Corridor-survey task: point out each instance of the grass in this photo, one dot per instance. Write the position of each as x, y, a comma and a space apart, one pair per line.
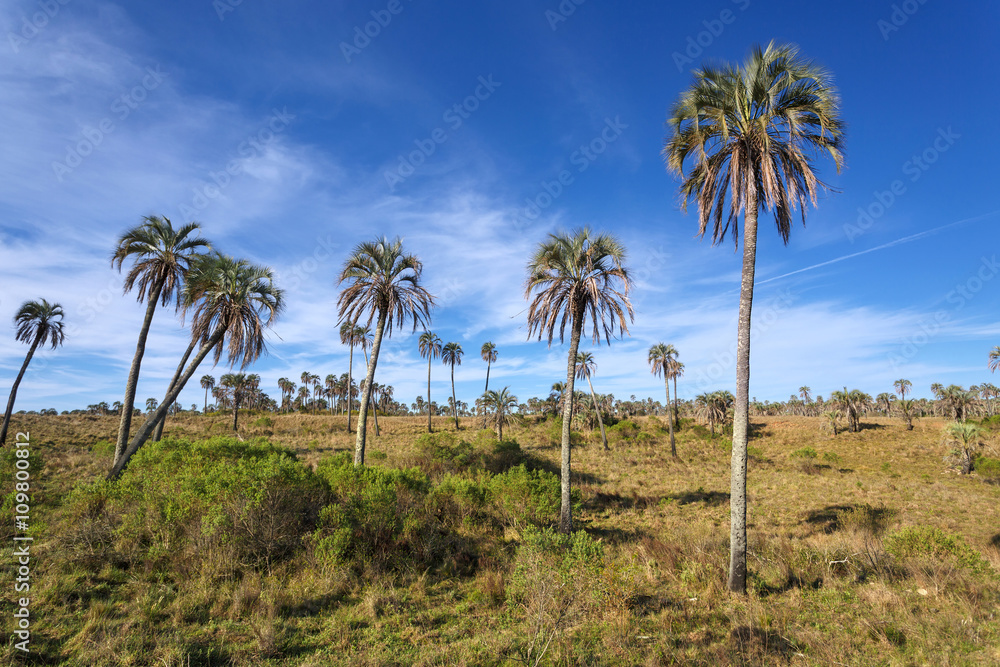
864, 549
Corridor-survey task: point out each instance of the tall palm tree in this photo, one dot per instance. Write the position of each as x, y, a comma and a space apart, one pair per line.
488, 352
151, 405
902, 387
451, 354
349, 336
748, 132
234, 301
430, 347
570, 277
37, 323
585, 367
162, 256
500, 406
208, 382
382, 281
659, 358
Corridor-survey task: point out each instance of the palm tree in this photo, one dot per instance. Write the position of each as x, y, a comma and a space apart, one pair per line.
239, 386
151, 404
451, 354
499, 406
234, 301
350, 335
430, 347
488, 352
384, 282
162, 257
832, 418
748, 131
208, 382
902, 387
994, 358
966, 437
585, 367
906, 410
659, 358
885, 401
675, 369
38, 323
571, 276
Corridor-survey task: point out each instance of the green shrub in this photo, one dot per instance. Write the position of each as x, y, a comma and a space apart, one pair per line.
929, 542
525, 497
263, 422
831, 457
804, 453
987, 468
626, 429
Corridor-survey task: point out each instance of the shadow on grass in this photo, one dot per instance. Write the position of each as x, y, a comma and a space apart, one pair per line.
827, 520
604, 501
757, 642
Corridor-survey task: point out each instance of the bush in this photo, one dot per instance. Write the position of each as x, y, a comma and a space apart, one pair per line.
525, 497
920, 542
804, 453
988, 469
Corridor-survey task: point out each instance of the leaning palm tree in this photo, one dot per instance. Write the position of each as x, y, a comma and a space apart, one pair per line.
430, 346
234, 301
659, 358
207, 382
585, 367
162, 257
746, 133
572, 277
451, 354
383, 282
38, 323
500, 406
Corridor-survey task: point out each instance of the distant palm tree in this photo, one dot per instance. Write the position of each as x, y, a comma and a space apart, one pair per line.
239, 386
162, 257
747, 132
675, 369
659, 358
349, 335
207, 382
570, 277
906, 409
585, 367
488, 352
151, 404
902, 387
383, 282
832, 418
994, 358
451, 354
37, 323
966, 437
430, 347
499, 406
234, 301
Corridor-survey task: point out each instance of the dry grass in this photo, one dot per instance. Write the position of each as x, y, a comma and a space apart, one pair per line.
824, 590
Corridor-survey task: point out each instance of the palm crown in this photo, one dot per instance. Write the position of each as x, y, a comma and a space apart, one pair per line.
41, 321
162, 256
748, 131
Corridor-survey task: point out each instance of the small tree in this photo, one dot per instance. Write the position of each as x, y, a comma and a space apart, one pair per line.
965, 438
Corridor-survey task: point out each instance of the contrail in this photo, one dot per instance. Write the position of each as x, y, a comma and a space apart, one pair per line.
905, 239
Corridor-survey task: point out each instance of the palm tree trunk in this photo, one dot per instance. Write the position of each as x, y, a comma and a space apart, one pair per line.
741, 418
205, 409
566, 511
677, 414
597, 409
430, 355
350, 369
670, 421
236, 412
173, 381
13, 391
359, 443
133, 375
375, 411
454, 403
142, 435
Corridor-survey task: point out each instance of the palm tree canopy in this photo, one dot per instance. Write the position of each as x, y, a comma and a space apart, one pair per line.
488, 352
994, 358
576, 274
40, 320
660, 359
749, 130
585, 365
381, 278
162, 256
207, 381
237, 298
429, 345
451, 354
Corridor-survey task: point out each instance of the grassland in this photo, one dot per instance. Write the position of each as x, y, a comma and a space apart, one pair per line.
846, 568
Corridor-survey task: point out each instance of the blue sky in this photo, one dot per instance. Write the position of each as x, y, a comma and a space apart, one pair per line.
291, 135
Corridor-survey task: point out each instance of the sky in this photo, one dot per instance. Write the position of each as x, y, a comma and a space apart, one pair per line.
294, 131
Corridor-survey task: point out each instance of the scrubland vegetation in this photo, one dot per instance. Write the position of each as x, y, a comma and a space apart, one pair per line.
271, 548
